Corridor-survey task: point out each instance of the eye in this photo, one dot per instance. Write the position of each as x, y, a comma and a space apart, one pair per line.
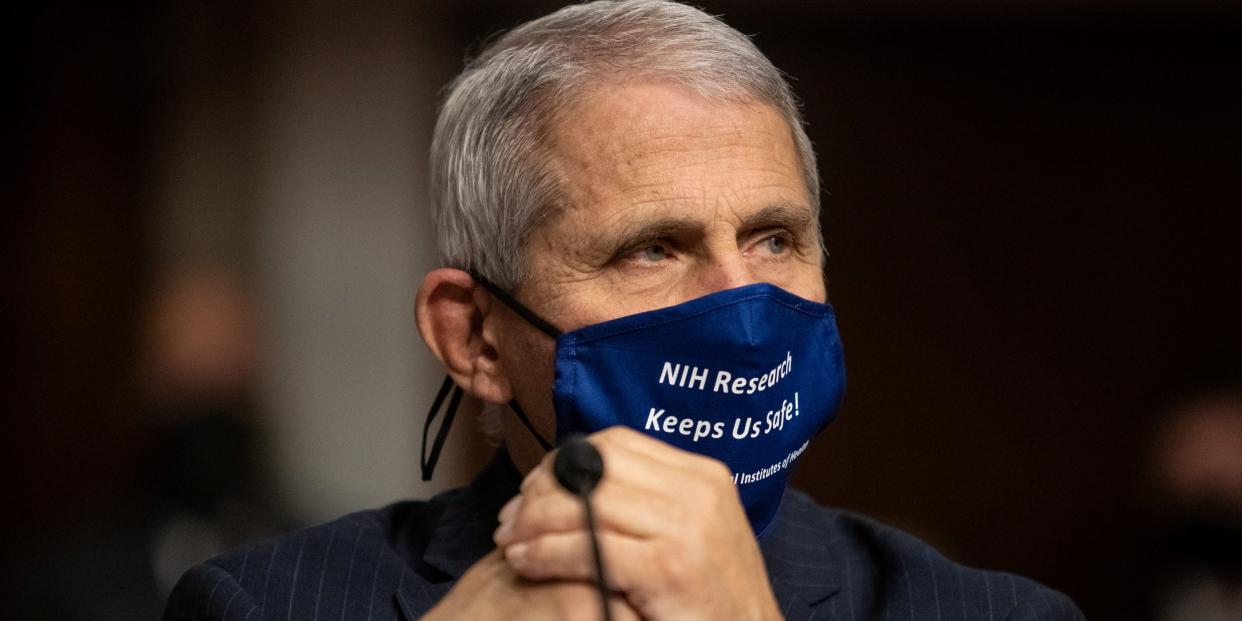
776, 244
653, 253
650, 254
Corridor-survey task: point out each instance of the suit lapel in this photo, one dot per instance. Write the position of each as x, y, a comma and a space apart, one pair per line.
799, 557
460, 533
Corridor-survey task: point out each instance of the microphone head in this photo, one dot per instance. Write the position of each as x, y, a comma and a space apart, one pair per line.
578, 466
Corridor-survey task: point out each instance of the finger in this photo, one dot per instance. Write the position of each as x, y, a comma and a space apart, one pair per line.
621, 609
626, 510
541, 474
671, 457
568, 556
586, 606
638, 496
625, 466
581, 601
637, 442
566, 600
623, 440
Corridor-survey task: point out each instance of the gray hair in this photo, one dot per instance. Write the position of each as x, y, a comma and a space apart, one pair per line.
490, 182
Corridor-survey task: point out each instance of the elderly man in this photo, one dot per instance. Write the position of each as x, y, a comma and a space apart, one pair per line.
627, 208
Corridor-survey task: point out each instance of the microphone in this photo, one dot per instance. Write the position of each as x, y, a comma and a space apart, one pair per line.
579, 467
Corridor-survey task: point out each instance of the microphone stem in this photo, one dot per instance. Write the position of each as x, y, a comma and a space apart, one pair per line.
601, 581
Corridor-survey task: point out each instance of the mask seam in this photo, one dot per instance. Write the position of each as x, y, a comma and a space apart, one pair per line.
750, 323
573, 381
827, 312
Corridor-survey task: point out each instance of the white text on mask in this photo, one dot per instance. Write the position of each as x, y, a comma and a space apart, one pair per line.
686, 376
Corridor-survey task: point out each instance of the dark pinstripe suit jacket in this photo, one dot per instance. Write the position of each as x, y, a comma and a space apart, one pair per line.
396, 563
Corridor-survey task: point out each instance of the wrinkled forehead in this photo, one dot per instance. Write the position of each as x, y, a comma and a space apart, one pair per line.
644, 147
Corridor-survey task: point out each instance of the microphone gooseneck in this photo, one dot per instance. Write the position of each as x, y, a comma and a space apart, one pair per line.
579, 468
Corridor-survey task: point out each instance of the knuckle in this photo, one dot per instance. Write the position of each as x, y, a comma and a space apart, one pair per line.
526, 510
541, 484
673, 571
530, 517
649, 555
715, 470
536, 477
722, 472
547, 514
703, 498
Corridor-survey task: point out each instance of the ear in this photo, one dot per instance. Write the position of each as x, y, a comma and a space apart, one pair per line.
450, 312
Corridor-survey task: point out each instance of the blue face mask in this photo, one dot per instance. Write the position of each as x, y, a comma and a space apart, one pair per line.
747, 376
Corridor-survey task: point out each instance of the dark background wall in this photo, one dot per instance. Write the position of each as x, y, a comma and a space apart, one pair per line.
1033, 214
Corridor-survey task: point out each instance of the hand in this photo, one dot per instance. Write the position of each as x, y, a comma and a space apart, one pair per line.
671, 527
492, 590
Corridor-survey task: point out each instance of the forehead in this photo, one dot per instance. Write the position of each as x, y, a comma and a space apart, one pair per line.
641, 146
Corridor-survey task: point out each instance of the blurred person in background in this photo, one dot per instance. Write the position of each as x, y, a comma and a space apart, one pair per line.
1196, 458
210, 486
204, 487
616, 169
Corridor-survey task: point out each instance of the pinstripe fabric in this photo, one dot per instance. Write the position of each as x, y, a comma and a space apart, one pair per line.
397, 562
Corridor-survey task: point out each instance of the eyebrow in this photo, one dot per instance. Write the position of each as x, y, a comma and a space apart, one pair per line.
796, 218
793, 217
661, 228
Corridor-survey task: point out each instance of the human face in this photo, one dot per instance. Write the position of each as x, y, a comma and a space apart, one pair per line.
670, 197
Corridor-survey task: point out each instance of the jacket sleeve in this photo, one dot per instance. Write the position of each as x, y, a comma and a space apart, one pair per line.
1044, 604
209, 593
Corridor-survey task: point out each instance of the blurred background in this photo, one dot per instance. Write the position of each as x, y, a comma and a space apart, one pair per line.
1032, 208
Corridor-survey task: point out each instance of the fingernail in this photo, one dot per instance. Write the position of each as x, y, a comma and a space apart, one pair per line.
516, 553
503, 533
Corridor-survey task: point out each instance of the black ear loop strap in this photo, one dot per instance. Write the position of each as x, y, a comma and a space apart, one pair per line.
518, 307
517, 409
429, 463
534, 320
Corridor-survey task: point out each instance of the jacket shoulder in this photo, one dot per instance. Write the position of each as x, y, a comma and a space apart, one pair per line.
349, 564
884, 570
209, 592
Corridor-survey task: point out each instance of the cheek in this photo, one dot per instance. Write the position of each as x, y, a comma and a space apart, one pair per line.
608, 296
808, 282
529, 358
